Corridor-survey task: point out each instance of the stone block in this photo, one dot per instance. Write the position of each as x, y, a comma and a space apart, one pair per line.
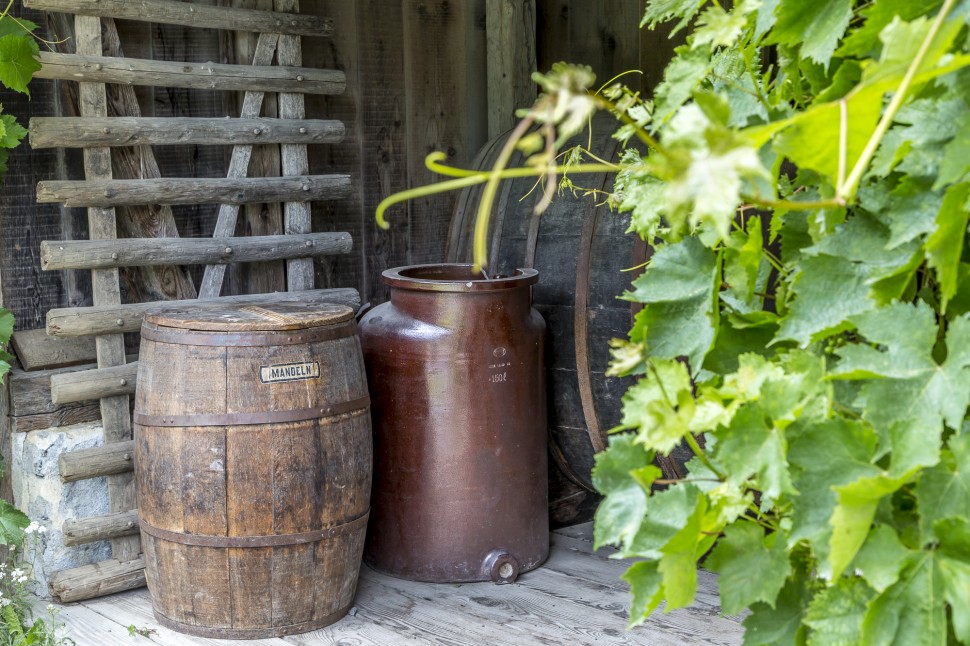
39, 492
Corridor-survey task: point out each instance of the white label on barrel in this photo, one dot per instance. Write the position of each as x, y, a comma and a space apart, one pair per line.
289, 372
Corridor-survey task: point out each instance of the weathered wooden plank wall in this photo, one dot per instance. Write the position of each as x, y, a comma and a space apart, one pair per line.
418, 74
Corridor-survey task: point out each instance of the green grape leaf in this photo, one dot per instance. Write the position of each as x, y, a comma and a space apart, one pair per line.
828, 291
780, 625
682, 76
6, 325
613, 466
647, 590
853, 516
956, 161
678, 565
659, 11
751, 566
18, 26
12, 132
731, 79
882, 558
719, 28
945, 245
823, 455
813, 138
912, 610
12, 524
667, 514
954, 565
742, 260
17, 62
865, 40
619, 515
835, 614
910, 396
641, 194
678, 289
943, 490
751, 446
816, 26
660, 405
911, 211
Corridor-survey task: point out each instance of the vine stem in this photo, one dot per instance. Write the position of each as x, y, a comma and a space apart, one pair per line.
689, 437
465, 180
847, 190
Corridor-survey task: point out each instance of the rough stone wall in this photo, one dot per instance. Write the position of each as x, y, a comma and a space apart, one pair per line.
39, 492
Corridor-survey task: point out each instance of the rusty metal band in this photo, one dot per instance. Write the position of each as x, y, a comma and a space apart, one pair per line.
274, 540
178, 336
245, 419
580, 320
251, 633
562, 462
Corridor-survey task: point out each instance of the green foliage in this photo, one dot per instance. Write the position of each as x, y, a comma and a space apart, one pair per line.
806, 310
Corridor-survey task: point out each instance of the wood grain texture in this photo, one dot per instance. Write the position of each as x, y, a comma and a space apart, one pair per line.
605, 35
115, 417
293, 157
117, 457
31, 405
172, 12
96, 580
84, 321
73, 132
36, 350
577, 598
106, 193
240, 161
133, 252
252, 480
141, 221
340, 52
383, 127
438, 96
94, 384
200, 76
511, 29
99, 528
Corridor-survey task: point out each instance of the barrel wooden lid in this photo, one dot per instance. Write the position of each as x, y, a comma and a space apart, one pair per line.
245, 318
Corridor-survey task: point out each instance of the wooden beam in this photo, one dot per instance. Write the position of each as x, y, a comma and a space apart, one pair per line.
94, 384
172, 12
102, 224
73, 132
511, 27
239, 163
97, 579
36, 350
199, 76
100, 528
32, 407
143, 252
106, 460
106, 193
85, 321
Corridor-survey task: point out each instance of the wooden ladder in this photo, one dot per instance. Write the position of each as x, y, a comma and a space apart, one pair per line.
113, 382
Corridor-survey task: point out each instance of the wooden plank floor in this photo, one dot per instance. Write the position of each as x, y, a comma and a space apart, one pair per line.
576, 598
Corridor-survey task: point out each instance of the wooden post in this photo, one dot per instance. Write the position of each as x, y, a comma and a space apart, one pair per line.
511, 30
110, 349
299, 272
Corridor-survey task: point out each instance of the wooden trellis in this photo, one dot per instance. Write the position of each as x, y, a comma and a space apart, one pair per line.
96, 132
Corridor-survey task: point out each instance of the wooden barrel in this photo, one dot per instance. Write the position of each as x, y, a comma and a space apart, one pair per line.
583, 255
252, 467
